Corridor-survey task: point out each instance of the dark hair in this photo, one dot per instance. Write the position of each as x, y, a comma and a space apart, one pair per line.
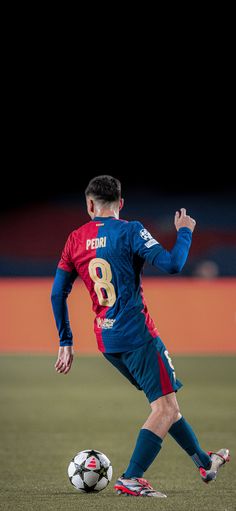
104, 188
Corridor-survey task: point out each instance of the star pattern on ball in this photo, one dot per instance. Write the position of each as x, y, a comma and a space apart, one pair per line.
81, 469
102, 472
94, 453
85, 481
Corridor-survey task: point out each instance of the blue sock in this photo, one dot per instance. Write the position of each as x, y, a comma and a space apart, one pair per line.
147, 447
184, 435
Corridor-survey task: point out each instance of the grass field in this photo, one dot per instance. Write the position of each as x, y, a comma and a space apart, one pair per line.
46, 418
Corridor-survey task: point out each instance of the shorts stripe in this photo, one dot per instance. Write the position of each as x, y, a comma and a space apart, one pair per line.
166, 386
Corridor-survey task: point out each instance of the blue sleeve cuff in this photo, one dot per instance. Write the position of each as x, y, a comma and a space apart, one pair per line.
66, 342
185, 229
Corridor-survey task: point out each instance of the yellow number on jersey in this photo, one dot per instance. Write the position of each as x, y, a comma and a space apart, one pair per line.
103, 282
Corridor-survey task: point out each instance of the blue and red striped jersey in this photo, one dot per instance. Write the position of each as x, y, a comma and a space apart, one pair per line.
108, 254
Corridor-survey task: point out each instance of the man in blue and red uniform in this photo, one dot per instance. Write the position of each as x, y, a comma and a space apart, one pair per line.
108, 254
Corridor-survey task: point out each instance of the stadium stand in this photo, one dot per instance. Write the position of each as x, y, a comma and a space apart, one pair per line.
32, 237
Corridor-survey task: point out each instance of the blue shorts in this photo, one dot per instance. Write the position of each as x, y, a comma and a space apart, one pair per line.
149, 368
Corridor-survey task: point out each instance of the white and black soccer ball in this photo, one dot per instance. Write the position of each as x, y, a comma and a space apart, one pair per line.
90, 471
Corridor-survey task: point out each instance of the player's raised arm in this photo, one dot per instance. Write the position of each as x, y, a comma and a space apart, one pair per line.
173, 261
150, 249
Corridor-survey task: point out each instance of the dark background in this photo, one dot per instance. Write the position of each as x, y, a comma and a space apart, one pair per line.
170, 143
24, 185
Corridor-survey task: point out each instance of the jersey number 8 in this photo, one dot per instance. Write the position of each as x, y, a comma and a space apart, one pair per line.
100, 273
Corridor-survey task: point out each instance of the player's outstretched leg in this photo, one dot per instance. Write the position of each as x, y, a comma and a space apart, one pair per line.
148, 445
208, 463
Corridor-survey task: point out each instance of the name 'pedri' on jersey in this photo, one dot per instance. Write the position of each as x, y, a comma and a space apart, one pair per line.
108, 254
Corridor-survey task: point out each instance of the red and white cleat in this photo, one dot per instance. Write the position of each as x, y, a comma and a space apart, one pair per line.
218, 458
136, 487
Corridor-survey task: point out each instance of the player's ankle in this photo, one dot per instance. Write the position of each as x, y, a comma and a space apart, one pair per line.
208, 466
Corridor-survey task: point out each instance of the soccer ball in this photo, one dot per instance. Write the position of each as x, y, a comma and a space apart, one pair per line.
90, 471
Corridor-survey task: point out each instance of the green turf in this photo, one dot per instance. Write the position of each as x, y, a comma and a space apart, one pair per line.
46, 418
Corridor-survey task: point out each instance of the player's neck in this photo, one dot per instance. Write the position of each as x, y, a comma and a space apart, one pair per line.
106, 212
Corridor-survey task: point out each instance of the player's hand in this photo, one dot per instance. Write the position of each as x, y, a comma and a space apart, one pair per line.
184, 220
64, 359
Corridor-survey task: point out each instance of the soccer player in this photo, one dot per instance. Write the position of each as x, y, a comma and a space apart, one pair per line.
109, 254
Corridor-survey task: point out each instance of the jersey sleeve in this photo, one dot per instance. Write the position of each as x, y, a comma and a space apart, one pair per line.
143, 243
65, 262
62, 286
174, 261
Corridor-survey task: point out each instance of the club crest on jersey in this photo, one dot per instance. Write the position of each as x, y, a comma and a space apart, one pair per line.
148, 238
96, 243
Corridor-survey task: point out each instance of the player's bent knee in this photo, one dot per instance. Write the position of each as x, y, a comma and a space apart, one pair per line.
169, 408
167, 404
173, 412
175, 409
165, 409
176, 414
